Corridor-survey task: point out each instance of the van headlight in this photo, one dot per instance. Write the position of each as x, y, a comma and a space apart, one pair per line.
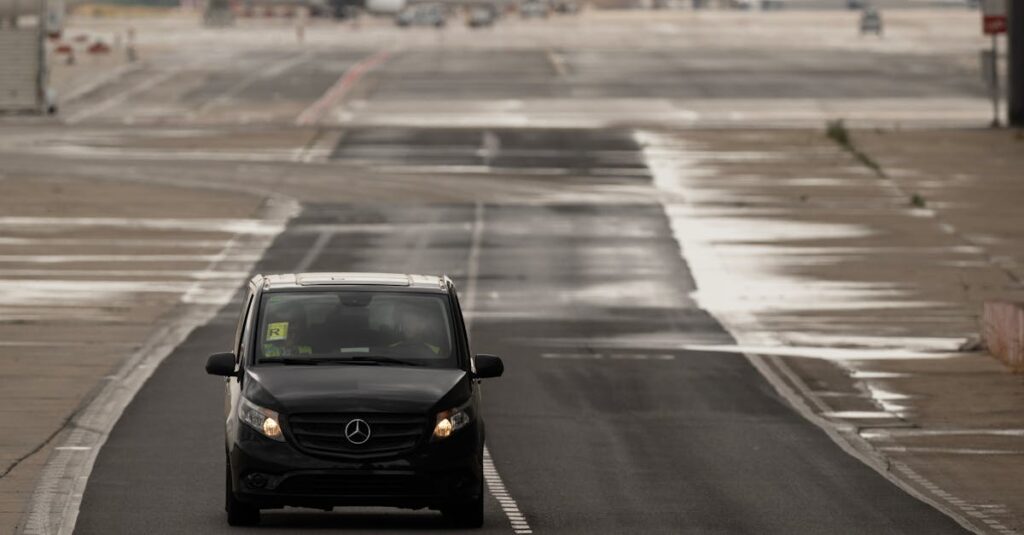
266, 421
451, 420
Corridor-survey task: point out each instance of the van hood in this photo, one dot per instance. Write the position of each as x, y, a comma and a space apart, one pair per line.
355, 388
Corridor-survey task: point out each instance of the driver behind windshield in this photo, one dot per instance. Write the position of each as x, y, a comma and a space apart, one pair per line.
418, 332
345, 326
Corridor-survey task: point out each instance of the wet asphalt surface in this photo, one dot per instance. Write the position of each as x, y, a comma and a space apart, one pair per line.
601, 424
705, 73
269, 85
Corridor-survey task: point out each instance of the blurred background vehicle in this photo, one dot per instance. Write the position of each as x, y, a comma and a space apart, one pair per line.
567, 6
435, 15
481, 16
532, 9
871, 21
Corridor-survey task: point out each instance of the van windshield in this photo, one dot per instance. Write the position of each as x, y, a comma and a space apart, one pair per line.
357, 327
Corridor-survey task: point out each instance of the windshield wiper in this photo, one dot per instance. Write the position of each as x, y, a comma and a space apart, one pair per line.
383, 360
290, 360
310, 361
361, 360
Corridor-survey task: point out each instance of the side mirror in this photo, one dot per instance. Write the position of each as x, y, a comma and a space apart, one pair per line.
222, 364
488, 366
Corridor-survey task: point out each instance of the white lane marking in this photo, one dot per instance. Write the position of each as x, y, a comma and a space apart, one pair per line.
495, 485
313, 252
214, 293
72, 258
315, 112
259, 74
376, 228
860, 415
149, 275
121, 97
57, 498
157, 243
915, 432
77, 343
121, 153
97, 81
607, 356
227, 226
72, 293
950, 451
319, 148
497, 488
557, 61
473, 264
827, 353
971, 510
471, 169
490, 147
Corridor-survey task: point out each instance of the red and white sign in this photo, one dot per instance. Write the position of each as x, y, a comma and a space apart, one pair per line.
993, 16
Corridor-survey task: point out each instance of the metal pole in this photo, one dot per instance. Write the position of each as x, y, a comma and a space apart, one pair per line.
995, 81
1015, 62
41, 76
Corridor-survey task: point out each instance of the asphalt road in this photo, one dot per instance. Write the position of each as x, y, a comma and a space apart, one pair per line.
604, 421
601, 423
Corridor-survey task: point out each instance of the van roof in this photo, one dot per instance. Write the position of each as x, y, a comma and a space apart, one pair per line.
281, 281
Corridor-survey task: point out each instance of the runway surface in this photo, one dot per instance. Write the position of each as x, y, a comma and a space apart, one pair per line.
509, 160
600, 425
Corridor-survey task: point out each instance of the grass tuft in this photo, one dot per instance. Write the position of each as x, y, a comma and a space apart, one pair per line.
836, 131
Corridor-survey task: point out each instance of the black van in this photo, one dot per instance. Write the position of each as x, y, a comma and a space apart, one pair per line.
353, 389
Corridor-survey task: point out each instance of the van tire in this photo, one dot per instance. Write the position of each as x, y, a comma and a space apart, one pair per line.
239, 514
466, 514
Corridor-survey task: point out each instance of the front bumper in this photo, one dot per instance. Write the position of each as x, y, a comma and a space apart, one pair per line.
272, 474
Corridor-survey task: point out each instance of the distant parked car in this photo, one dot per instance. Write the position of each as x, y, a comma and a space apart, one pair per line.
871, 21
768, 5
533, 9
567, 6
481, 16
422, 15
855, 5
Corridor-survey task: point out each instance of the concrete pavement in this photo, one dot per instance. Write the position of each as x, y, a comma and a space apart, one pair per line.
868, 301
90, 267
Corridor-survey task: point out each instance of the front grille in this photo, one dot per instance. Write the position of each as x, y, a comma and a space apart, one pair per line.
390, 434
361, 486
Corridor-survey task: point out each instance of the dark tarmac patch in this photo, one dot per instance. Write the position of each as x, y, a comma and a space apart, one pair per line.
697, 443
693, 444
579, 151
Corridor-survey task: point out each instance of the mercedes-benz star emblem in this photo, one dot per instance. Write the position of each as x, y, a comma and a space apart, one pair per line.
357, 431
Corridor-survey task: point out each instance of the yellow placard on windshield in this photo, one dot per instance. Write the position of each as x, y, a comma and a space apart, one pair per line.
277, 331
